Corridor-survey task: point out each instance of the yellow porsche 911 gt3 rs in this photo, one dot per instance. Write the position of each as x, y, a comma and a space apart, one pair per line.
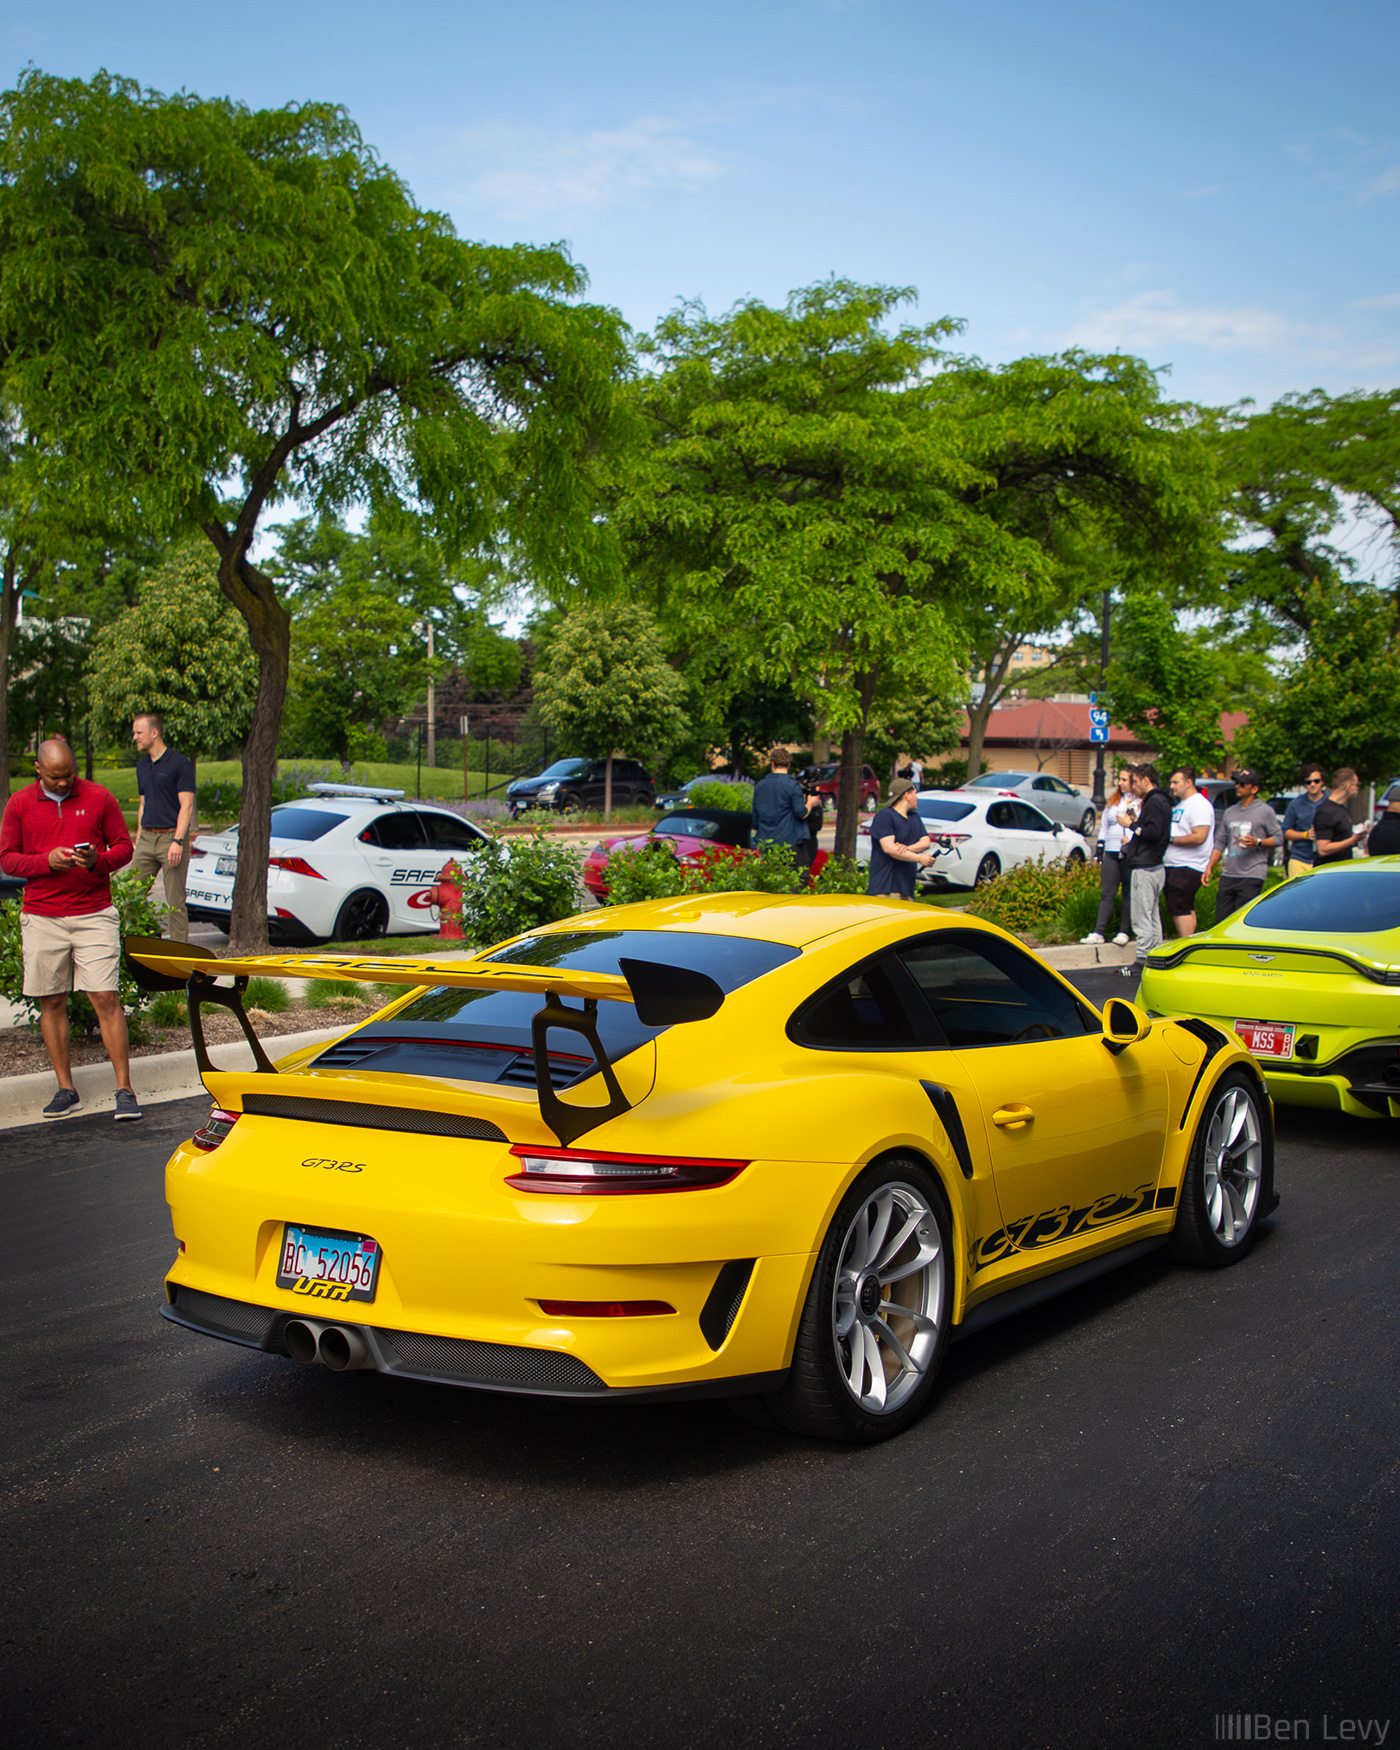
776, 1150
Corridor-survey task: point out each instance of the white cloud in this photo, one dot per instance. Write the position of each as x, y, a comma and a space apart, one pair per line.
1151, 320
521, 171
1386, 183
1386, 301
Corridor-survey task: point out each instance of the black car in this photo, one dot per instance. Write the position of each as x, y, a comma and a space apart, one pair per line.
569, 786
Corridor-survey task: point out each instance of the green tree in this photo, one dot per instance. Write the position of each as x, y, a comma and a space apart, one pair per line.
1335, 703
829, 498
203, 303
604, 683
179, 651
1168, 684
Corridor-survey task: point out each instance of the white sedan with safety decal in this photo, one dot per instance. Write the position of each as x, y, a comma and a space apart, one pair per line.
344, 864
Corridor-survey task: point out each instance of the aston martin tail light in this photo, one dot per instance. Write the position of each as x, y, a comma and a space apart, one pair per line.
295, 866
214, 1128
600, 1175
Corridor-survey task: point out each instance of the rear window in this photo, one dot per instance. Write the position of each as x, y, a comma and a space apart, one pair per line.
931, 810
997, 781
304, 823
1340, 904
503, 1017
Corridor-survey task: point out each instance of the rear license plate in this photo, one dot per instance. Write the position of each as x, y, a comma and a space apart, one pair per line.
324, 1265
1266, 1040
226, 866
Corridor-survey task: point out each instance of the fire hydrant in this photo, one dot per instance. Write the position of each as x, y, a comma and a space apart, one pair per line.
449, 901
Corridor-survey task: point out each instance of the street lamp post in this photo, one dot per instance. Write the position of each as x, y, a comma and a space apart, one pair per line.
1100, 778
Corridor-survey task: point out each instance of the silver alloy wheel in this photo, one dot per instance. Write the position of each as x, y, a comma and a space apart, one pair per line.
887, 1306
1232, 1166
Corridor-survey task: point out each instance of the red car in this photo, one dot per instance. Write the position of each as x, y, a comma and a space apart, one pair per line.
825, 780
694, 835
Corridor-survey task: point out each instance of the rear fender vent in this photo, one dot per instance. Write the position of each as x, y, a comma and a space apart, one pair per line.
722, 1305
419, 1122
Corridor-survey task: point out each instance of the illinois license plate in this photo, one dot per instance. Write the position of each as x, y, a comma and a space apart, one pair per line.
1265, 1039
226, 866
325, 1265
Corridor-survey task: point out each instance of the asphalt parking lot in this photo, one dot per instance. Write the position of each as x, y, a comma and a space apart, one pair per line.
1166, 1497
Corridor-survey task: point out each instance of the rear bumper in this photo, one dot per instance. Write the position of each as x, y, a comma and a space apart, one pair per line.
496, 1367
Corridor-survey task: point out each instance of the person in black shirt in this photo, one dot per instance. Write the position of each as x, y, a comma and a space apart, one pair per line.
1143, 855
1384, 839
781, 810
164, 817
899, 844
1332, 830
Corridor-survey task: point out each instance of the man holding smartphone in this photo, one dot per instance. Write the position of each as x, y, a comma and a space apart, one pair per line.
66, 838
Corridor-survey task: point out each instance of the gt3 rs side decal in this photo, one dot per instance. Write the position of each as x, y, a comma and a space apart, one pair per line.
1031, 1232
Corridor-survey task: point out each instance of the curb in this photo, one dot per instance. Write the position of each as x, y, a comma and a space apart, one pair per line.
170, 1075
1075, 956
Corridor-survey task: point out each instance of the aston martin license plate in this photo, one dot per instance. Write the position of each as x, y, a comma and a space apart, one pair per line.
1265, 1039
325, 1265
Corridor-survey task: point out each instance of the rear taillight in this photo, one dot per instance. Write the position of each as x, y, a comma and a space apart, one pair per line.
295, 866
604, 1309
598, 1175
214, 1128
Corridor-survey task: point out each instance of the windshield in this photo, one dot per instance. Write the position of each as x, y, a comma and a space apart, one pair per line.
997, 781
819, 774
939, 810
686, 826
564, 769
1340, 904
303, 823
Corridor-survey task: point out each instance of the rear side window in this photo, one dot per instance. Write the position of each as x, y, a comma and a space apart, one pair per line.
1341, 904
984, 992
304, 823
1001, 814
860, 1011
402, 831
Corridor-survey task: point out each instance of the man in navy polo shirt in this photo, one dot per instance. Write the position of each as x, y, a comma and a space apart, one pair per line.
164, 817
898, 843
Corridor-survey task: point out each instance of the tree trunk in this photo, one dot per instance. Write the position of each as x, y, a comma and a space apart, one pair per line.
848, 789
607, 789
270, 633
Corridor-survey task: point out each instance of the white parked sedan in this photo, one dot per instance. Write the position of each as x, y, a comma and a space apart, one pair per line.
1052, 796
985, 836
343, 864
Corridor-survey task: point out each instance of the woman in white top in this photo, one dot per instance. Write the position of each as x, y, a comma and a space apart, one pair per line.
1115, 827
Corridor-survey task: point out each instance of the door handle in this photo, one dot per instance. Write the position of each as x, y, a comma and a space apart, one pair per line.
1014, 1116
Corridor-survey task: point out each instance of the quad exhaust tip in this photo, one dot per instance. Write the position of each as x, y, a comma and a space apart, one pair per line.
339, 1347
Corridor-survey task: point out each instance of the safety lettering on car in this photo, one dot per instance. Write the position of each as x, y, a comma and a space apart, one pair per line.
412, 877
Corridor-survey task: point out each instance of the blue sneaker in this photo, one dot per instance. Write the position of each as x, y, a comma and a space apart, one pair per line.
64, 1104
126, 1105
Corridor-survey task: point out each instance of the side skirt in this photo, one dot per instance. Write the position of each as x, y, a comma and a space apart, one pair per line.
1029, 1294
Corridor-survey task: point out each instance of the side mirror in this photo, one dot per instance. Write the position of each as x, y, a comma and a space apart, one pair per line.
1057, 829
1124, 1024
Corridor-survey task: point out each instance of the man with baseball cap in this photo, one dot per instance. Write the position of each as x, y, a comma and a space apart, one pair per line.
898, 843
1244, 836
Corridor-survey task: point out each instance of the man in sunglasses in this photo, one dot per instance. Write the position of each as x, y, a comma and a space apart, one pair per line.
1298, 819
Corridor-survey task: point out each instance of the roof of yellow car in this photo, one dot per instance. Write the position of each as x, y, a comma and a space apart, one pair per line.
796, 921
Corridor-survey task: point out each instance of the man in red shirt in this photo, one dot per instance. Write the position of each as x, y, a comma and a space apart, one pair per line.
66, 836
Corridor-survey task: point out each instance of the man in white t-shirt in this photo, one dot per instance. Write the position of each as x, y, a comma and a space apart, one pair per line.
1188, 854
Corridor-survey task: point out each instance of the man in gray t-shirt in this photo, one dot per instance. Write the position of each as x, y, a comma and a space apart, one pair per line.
1244, 837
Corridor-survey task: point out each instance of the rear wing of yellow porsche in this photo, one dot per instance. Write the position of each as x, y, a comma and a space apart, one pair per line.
661, 995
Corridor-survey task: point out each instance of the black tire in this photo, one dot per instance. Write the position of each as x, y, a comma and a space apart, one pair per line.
570, 803
819, 1399
1088, 821
363, 914
1218, 1214
987, 870
1076, 855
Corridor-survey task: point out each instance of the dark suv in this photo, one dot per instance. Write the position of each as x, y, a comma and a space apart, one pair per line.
571, 785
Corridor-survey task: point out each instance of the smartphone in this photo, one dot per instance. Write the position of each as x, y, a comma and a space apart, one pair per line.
83, 847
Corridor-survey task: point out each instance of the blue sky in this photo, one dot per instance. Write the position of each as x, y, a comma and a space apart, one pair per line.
1213, 186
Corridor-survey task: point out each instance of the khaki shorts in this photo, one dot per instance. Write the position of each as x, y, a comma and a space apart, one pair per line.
63, 954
